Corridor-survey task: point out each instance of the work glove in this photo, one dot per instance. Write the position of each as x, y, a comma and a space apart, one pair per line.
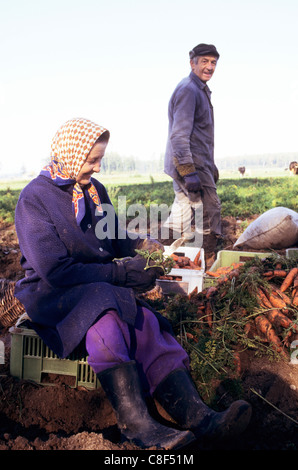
192, 182
131, 272
187, 171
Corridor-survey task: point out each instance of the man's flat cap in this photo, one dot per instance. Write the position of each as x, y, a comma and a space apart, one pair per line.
203, 49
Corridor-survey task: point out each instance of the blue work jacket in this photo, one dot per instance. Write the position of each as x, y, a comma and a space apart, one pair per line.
191, 129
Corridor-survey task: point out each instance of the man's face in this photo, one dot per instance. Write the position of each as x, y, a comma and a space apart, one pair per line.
205, 67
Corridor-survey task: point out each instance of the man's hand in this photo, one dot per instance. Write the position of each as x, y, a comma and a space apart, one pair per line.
193, 183
191, 179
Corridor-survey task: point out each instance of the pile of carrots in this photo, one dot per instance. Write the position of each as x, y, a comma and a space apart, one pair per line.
276, 320
184, 262
251, 305
224, 270
278, 308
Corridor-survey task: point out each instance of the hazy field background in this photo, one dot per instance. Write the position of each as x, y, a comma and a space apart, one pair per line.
241, 197
121, 178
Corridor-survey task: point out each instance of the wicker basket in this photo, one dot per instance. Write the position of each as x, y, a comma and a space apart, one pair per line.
10, 307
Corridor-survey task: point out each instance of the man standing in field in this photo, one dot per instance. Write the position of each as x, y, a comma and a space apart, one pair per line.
189, 157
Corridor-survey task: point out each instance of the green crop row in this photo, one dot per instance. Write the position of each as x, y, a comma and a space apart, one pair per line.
239, 197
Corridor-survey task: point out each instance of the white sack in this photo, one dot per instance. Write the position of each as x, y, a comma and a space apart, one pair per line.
276, 229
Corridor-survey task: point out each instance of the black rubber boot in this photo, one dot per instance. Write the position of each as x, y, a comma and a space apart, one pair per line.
122, 387
180, 399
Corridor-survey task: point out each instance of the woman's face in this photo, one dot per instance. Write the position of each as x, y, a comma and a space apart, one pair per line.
92, 163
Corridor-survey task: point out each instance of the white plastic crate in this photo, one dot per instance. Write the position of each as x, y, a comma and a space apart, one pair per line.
190, 278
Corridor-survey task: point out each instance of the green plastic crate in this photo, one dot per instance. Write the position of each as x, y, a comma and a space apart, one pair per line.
31, 359
292, 253
226, 258
209, 281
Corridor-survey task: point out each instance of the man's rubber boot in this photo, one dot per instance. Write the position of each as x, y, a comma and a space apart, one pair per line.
123, 389
180, 399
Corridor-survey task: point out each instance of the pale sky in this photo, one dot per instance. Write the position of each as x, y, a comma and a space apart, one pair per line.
117, 62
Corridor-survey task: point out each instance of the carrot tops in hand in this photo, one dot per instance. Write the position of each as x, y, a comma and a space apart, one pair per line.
157, 259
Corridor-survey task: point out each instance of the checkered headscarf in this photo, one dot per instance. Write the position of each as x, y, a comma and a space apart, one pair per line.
70, 148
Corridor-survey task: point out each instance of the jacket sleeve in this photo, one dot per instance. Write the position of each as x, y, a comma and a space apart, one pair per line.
184, 106
125, 242
45, 253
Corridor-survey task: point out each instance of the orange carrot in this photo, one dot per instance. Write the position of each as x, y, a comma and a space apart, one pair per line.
276, 300
224, 270
284, 296
268, 274
265, 327
197, 259
223, 280
212, 273
234, 273
275, 273
194, 292
280, 273
237, 362
295, 299
209, 314
263, 299
211, 291
247, 328
193, 265
191, 336
279, 319
288, 338
289, 279
218, 272
200, 308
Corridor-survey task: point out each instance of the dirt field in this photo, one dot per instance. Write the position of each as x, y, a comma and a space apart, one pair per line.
58, 417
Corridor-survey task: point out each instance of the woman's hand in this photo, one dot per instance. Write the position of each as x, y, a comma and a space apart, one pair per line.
133, 272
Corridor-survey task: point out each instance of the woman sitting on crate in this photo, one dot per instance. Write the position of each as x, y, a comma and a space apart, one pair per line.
80, 285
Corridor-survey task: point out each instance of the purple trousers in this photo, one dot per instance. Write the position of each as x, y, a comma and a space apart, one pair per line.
110, 342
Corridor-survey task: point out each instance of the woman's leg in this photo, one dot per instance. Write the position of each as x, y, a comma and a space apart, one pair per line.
106, 342
111, 346
157, 352
110, 342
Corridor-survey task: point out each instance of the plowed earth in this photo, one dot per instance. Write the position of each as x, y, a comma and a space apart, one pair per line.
59, 417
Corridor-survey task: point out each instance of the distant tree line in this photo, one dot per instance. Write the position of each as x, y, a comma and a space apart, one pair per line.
115, 163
